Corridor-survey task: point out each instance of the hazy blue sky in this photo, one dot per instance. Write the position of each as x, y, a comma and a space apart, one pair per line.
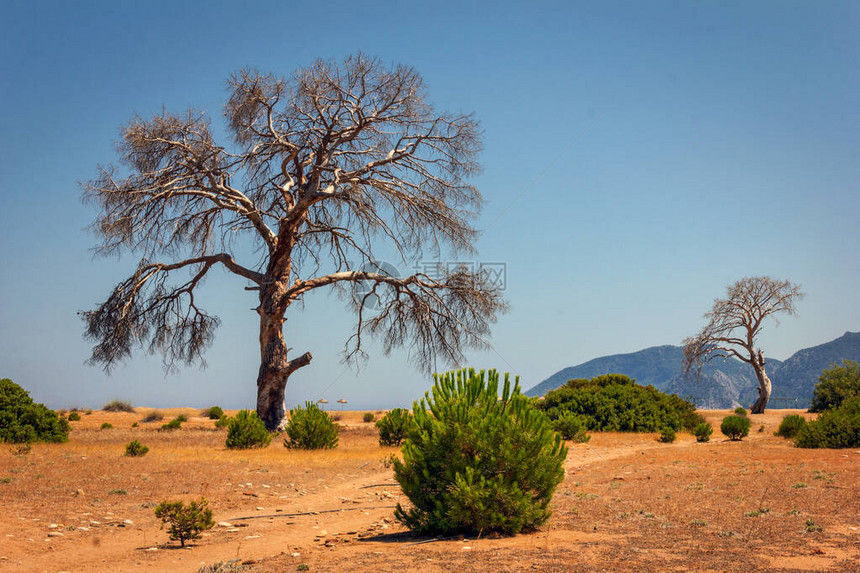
639, 157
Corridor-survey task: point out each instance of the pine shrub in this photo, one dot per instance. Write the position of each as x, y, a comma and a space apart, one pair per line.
790, 426
835, 385
740, 411
246, 430
23, 421
615, 403
703, 432
394, 426
223, 421
571, 427
214, 413
74, 417
368, 417
834, 428
135, 449
185, 521
107, 426
735, 427
174, 424
309, 428
182, 418
475, 463
667, 435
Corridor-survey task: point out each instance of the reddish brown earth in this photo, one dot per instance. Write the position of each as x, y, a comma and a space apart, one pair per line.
628, 503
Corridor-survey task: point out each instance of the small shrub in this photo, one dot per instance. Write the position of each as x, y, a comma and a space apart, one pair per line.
571, 427
135, 449
740, 411
835, 428
791, 426
761, 429
174, 424
394, 426
369, 417
153, 416
107, 426
186, 522
477, 462
118, 406
24, 421
703, 432
812, 527
74, 417
835, 385
223, 421
182, 418
303, 567
117, 492
134, 425
735, 427
246, 430
667, 435
214, 413
234, 566
309, 428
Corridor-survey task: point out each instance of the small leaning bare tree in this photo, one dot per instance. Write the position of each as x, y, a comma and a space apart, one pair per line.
323, 168
733, 324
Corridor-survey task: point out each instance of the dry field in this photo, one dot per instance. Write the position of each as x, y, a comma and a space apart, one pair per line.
628, 503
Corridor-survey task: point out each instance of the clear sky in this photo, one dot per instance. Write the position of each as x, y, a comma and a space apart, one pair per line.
639, 157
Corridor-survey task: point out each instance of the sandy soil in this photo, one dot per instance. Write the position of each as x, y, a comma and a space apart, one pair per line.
627, 503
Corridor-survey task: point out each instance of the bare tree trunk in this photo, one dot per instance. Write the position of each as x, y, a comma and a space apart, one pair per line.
764, 385
272, 378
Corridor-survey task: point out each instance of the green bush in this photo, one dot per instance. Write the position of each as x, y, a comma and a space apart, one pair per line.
735, 427
667, 435
571, 427
24, 421
118, 406
107, 426
368, 417
476, 463
246, 430
834, 428
135, 449
74, 417
214, 413
740, 411
703, 432
186, 522
394, 426
174, 424
615, 403
182, 418
223, 421
310, 428
836, 384
790, 426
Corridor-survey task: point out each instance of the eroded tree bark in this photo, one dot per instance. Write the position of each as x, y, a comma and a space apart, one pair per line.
764, 385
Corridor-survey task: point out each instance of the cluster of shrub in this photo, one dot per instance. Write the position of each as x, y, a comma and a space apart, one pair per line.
615, 403
837, 400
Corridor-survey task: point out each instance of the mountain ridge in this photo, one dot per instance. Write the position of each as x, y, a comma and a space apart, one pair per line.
722, 383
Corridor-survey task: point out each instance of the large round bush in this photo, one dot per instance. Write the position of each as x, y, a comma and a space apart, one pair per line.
835, 385
475, 462
735, 427
25, 421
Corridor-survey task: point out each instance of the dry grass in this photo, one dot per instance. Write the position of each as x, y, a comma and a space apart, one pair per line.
628, 503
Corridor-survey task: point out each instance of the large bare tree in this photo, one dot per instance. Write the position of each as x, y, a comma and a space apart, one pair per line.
734, 323
323, 169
